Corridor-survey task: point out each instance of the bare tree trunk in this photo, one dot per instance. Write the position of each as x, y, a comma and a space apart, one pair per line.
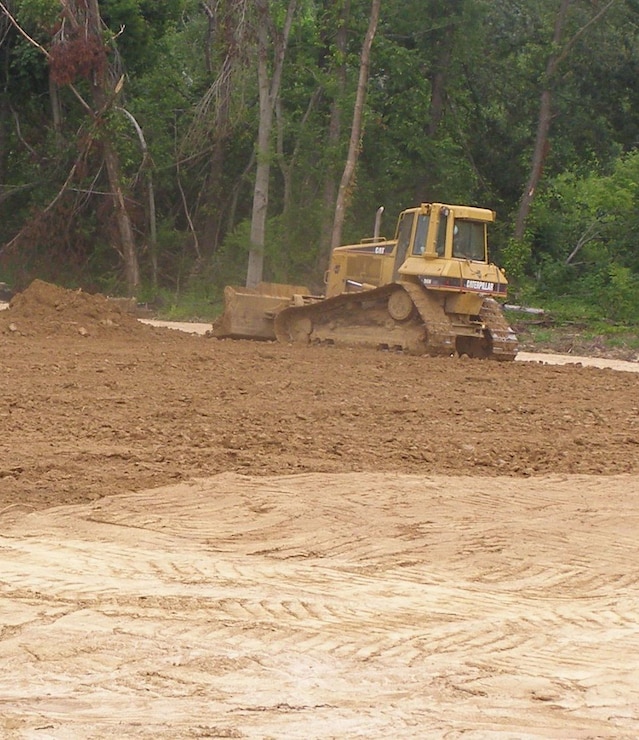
329, 196
104, 94
536, 168
125, 230
5, 113
262, 172
56, 111
128, 249
269, 91
541, 147
346, 183
543, 125
148, 166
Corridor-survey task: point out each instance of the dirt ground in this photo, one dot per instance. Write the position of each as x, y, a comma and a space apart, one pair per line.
206, 538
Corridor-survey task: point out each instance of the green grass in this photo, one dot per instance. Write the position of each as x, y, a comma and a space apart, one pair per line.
194, 304
572, 326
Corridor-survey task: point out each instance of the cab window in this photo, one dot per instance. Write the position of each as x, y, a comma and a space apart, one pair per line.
421, 232
404, 231
469, 240
441, 234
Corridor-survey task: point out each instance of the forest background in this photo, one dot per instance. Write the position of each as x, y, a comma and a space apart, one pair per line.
165, 148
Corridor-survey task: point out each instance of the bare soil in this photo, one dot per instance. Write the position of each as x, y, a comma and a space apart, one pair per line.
206, 538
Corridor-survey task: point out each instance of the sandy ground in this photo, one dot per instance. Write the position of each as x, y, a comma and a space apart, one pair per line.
313, 606
207, 538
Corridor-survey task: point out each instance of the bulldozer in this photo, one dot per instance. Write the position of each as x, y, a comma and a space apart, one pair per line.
430, 290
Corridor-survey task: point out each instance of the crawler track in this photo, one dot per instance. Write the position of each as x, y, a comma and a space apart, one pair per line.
504, 341
398, 317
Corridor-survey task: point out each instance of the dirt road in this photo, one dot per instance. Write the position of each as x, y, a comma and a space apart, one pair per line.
209, 538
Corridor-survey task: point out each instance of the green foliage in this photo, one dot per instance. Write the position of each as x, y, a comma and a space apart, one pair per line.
39, 14
143, 24
229, 263
28, 69
291, 253
620, 295
515, 260
584, 232
486, 61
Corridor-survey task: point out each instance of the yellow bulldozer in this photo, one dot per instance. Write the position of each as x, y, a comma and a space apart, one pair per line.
429, 290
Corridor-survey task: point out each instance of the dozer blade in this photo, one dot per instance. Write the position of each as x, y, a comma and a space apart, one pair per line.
249, 312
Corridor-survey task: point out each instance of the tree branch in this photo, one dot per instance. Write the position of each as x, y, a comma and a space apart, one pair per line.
571, 42
591, 232
22, 32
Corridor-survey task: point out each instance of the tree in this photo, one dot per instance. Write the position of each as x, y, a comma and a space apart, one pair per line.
244, 150
225, 57
80, 50
559, 51
269, 90
333, 135
356, 128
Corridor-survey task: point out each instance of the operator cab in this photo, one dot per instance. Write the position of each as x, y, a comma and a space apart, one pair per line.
448, 232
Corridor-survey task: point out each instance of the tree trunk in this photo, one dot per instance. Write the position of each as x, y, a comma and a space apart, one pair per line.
4, 148
269, 91
262, 172
125, 230
329, 195
346, 183
543, 125
127, 246
147, 165
5, 107
542, 147
56, 112
537, 165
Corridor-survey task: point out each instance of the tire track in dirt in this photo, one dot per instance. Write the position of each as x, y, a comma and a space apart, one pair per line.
326, 606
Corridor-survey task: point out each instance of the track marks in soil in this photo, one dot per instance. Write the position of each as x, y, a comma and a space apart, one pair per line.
327, 606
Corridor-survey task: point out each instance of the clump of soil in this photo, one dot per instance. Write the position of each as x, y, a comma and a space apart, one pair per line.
44, 309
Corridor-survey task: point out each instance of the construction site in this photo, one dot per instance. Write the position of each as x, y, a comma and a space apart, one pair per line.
210, 537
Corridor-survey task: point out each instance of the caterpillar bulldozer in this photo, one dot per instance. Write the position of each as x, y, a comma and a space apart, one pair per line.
429, 290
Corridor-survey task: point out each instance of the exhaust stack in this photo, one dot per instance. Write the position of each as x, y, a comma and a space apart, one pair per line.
378, 222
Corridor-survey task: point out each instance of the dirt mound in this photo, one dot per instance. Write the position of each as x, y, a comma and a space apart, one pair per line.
44, 309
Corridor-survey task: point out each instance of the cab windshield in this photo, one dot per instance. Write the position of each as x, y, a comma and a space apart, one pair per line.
469, 240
